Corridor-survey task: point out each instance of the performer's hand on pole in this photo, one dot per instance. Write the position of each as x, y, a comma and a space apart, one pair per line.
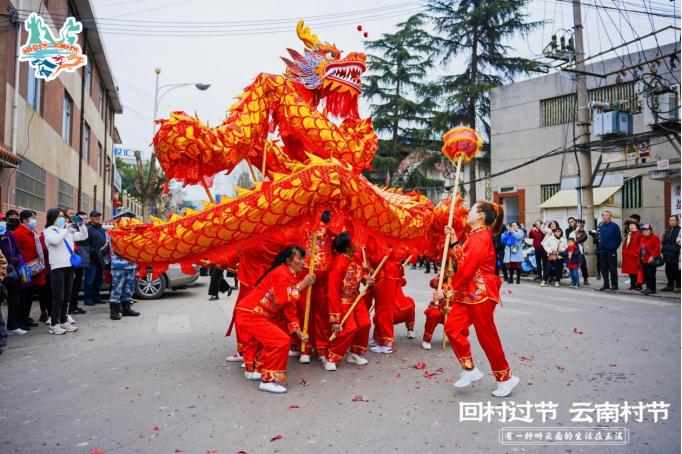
438, 295
336, 328
370, 281
302, 337
307, 282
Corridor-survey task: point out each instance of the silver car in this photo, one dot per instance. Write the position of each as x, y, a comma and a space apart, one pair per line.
173, 278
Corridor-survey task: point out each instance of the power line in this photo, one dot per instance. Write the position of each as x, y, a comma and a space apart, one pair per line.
633, 11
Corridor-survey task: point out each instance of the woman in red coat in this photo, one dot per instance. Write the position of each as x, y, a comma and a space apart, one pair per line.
631, 262
650, 249
32, 252
477, 292
265, 344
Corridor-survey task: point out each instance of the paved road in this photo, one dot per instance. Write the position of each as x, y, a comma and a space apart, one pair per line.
159, 383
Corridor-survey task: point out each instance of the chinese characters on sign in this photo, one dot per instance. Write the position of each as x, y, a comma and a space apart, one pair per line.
564, 435
49, 56
675, 199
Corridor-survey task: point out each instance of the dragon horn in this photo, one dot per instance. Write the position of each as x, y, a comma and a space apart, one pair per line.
310, 40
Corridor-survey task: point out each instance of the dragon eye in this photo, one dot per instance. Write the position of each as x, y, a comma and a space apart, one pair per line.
329, 55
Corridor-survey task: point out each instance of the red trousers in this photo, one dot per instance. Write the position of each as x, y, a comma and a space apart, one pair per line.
434, 316
384, 308
354, 335
243, 291
265, 345
461, 317
404, 310
321, 331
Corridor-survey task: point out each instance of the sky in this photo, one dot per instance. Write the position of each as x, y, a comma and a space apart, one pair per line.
256, 33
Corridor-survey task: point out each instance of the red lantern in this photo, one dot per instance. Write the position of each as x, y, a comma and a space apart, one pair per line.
365, 34
461, 141
359, 28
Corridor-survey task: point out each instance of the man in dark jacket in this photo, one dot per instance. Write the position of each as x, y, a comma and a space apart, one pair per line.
93, 275
671, 255
571, 227
610, 238
78, 273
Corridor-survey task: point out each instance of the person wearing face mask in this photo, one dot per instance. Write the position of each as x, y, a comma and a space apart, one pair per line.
9, 248
31, 250
13, 222
97, 238
60, 244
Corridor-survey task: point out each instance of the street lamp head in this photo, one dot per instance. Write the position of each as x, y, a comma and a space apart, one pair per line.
157, 71
202, 87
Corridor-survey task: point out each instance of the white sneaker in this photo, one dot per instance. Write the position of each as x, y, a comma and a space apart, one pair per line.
70, 320
68, 327
272, 387
372, 343
294, 353
304, 359
329, 365
467, 377
253, 376
16, 332
543, 284
354, 358
381, 349
56, 329
426, 345
48, 322
410, 334
504, 388
234, 358
556, 284
243, 366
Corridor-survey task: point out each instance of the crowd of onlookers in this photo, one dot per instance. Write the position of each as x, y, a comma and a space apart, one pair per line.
556, 250
53, 264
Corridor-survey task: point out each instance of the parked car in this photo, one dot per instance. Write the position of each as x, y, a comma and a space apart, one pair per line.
148, 288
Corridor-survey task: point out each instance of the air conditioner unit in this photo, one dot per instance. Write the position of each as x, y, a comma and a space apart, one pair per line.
613, 123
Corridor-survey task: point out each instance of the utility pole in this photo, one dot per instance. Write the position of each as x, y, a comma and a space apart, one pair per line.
585, 199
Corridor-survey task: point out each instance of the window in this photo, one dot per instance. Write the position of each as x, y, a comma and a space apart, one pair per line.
88, 77
30, 189
86, 143
85, 203
632, 193
33, 96
100, 101
65, 195
562, 109
548, 190
67, 118
99, 158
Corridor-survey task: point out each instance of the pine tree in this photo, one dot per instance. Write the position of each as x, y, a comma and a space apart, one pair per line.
397, 82
476, 30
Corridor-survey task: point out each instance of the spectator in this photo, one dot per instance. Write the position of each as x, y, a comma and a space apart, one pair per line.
32, 252
637, 219
122, 281
571, 227
554, 245
650, 251
499, 253
671, 255
215, 283
631, 251
609, 241
45, 297
595, 240
12, 217
94, 273
60, 244
580, 237
513, 254
83, 251
573, 258
69, 214
537, 235
10, 249
3, 296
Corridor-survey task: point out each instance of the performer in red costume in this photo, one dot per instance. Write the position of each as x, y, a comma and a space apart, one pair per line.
265, 344
437, 308
385, 292
477, 292
345, 277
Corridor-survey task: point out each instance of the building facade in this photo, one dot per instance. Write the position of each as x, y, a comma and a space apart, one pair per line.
56, 137
534, 120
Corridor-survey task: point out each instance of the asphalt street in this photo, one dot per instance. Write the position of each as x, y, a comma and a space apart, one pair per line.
159, 383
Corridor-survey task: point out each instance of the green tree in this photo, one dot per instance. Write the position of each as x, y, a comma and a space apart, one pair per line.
397, 83
135, 180
477, 31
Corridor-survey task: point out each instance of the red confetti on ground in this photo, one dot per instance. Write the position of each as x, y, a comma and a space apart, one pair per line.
561, 369
177, 450
212, 451
304, 382
126, 387
613, 365
525, 359
276, 437
360, 398
397, 375
420, 365
291, 407
507, 292
438, 371
155, 428
577, 331
97, 451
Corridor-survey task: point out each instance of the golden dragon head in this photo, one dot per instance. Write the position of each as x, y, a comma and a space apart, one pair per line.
322, 71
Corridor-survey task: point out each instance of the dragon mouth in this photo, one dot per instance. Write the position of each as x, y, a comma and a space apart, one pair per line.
344, 75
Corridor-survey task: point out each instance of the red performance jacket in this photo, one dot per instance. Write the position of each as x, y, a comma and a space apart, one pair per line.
274, 296
345, 276
475, 280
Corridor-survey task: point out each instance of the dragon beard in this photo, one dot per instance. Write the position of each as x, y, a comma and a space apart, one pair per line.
341, 105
